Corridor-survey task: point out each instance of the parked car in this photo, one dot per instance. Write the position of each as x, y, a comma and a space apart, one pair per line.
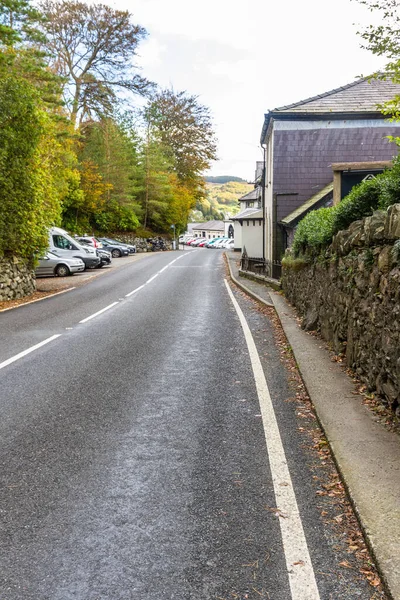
230, 244
220, 243
131, 247
211, 243
116, 249
64, 246
54, 266
89, 241
198, 241
183, 239
104, 256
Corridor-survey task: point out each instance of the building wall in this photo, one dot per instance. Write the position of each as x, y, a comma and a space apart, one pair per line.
209, 234
305, 151
252, 237
238, 235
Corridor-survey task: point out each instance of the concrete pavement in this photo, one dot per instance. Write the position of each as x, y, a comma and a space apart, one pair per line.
367, 455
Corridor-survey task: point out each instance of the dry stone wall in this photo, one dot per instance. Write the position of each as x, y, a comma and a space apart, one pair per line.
142, 244
352, 296
16, 279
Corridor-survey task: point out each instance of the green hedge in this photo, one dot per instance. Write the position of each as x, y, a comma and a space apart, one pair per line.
359, 203
318, 227
29, 200
314, 231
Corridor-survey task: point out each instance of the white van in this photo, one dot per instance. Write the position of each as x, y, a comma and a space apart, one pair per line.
63, 245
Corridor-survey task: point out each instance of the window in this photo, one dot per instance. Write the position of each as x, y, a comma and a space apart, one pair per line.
61, 242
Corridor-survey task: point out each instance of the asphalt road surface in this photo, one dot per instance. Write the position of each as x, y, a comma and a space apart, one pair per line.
150, 448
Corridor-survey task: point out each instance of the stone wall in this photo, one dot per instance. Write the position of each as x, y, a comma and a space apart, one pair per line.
142, 244
16, 279
352, 296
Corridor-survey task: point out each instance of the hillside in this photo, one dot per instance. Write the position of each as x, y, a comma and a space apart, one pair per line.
223, 179
221, 199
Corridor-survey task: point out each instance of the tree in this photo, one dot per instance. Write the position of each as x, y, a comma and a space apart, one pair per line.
154, 189
29, 165
108, 158
20, 37
18, 21
384, 40
185, 127
93, 48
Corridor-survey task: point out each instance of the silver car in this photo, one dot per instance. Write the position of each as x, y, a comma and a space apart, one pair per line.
53, 265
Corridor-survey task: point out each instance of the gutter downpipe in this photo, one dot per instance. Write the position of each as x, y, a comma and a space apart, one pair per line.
263, 181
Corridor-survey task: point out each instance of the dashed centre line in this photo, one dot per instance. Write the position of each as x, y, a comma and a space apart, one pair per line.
28, 351
134, 291
153, 277
99, 312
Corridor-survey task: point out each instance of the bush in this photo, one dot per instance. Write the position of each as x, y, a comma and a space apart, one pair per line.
390, 186
359, 203
314, 231
295, 263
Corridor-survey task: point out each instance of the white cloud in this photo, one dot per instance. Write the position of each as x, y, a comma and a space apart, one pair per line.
151, 53
243, 59
242, 72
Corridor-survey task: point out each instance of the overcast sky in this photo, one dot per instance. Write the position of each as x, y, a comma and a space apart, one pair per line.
244, 58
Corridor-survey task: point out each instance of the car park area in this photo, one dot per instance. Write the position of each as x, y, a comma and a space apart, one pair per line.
55, 284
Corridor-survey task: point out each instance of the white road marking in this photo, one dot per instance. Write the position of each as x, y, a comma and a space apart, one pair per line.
151, 279
134, 291
98, 312
28, 351
154, 276
300, 571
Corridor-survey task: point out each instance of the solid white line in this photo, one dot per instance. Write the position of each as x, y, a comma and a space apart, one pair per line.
28, 351
151, 279
134, 291
98, 312
298, 562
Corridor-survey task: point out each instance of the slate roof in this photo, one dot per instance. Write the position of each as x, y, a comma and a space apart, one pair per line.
210, 226
358, 99
359, 96
294, 216
248, 213
252, 195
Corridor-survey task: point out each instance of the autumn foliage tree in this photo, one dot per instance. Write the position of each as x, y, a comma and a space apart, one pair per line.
67, 74
185, 127
182, 129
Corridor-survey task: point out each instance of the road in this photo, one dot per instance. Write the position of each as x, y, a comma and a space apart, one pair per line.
150, 447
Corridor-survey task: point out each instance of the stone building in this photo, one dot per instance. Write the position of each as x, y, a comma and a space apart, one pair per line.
302, 142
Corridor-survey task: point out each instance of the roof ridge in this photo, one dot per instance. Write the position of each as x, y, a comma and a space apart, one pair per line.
324, 95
